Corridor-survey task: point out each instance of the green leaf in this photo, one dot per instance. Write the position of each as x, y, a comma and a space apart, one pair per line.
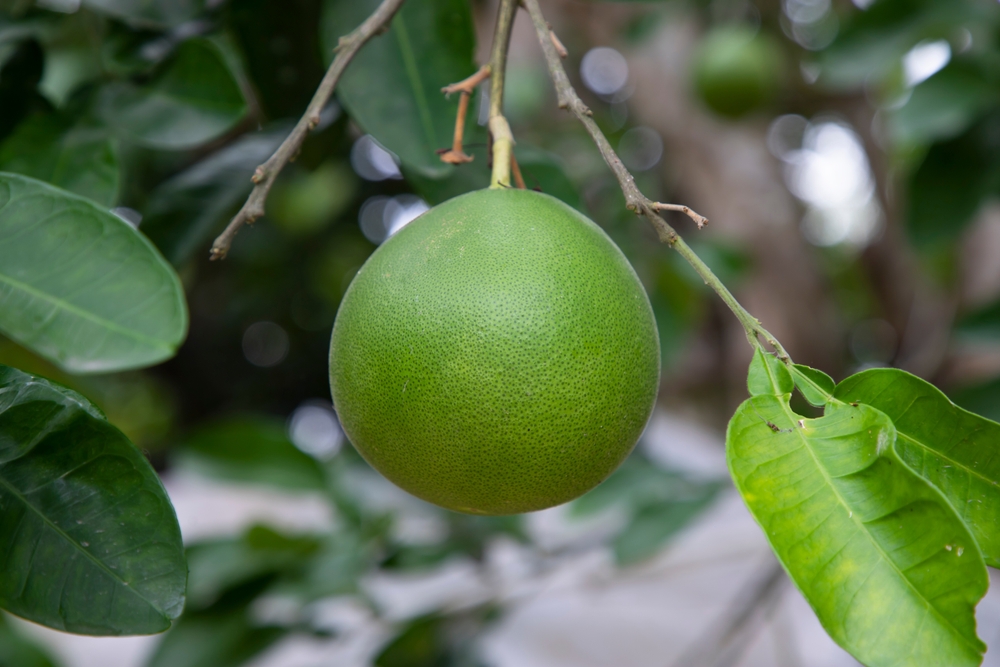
75, 156
815, 385
421, 643
891, 571
80, 286
651, 526
951, 448
223, 637
184, 213
768, 375
194, 98
657, 502
149, 13
945, 105
250, 449
947, 189
981, 325
221, 564
90, 542
392, 88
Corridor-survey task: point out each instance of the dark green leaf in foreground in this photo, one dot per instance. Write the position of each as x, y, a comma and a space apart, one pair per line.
194, 99
89, 542
953, 449
891, 571
392, 88
80, 286
250, 449
79, 157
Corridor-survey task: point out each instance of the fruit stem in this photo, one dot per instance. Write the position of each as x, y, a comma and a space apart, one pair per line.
634, 199
503, 139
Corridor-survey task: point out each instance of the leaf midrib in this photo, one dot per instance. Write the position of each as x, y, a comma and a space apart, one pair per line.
792, 417
79, 312
59, 531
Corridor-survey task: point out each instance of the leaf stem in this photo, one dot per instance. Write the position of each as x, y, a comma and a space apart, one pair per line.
634, 199
503, 139
265, 174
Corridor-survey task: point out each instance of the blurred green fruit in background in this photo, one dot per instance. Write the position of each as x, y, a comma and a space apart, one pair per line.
736, 70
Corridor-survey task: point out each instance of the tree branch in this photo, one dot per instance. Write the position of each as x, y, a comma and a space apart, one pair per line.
265, 174
634, 199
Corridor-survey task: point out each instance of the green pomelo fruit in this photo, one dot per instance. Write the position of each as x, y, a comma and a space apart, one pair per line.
736, 70
497, 355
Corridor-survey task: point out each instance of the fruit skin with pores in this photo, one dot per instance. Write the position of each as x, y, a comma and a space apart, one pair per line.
736, 70
497, 355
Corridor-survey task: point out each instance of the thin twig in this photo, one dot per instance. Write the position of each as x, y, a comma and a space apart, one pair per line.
634, 199
699, 220
468, 84
455, 154
265, 175
556, 42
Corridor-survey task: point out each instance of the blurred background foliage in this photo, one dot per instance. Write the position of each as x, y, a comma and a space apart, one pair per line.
847, 154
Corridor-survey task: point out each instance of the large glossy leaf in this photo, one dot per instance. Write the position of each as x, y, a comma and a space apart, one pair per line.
953, 449
89, 542
184, 213
392, 88
79, 285
193, 99
891, 571
79, 157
